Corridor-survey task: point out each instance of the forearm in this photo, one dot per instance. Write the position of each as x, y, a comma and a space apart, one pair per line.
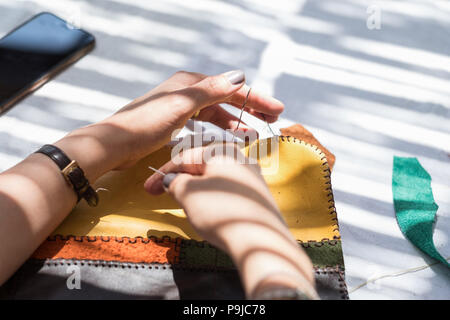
35, 198
268, 257
229, 205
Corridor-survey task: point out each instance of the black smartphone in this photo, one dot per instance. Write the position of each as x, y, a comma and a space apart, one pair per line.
35, 52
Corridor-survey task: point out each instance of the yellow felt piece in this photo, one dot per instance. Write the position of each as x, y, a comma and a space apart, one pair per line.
299, 182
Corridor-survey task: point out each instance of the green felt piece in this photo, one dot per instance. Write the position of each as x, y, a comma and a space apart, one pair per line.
223, 260
202, 255
414, 204
325, 253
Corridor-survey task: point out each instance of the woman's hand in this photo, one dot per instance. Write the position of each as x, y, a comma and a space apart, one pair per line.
216, 191
34, 196
146, 124
229, 204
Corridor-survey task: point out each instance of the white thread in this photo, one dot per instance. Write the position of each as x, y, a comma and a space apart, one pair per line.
396, 274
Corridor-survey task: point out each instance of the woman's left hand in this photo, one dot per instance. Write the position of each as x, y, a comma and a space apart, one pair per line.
35, 197
146, 124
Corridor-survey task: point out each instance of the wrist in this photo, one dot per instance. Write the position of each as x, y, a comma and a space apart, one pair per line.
264, 228
264, 250
96, 148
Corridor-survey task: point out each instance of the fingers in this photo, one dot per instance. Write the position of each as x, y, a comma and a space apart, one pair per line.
257, 103
211, 90
198, 91
176, 184
225, 120
194, 162
157, 184
190, 161
167, 180
257, 114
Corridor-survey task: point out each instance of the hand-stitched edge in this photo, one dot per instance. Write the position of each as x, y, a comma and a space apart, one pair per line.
305, 244
339, 270
180, 242
125, 265
331, 208
162, 266
314, 243
125, 239
343, 286
327, 176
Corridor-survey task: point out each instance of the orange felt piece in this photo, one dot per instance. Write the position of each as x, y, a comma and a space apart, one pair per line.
300, 132
137, 250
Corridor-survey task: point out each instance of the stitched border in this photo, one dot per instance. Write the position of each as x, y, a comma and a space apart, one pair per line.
166, 266
125, 239
167, 239
342, 284
327, 175
124, 265
324, 254
313, 243
331, 208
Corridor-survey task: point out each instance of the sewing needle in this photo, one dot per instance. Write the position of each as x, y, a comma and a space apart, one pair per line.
157, 171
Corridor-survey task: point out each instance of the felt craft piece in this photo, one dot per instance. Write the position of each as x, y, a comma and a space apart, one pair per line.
137, 250
39, 279
414, 204
300, 184
186, 253
301, 133
144, 245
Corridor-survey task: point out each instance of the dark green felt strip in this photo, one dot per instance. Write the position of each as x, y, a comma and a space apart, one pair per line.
414, 204
325, 253
201, 254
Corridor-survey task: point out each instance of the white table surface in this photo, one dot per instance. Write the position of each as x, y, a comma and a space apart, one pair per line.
366, 94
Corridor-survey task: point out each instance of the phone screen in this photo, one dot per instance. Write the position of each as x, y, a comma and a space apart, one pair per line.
34, 50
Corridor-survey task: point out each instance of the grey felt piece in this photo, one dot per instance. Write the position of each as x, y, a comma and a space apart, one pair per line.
114, 280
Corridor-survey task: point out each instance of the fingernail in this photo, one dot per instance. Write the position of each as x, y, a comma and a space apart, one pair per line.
167, 180
235, 76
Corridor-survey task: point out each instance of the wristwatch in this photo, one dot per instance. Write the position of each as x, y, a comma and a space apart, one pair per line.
72, 172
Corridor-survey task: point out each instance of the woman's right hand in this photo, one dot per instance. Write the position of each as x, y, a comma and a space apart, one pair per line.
229, 204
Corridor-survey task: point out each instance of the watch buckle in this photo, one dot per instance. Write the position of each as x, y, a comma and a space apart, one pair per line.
68, 169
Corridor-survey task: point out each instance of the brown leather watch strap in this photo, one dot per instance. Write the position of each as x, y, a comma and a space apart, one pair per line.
72, 172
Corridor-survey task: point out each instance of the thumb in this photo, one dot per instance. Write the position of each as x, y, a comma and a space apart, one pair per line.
214, 89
